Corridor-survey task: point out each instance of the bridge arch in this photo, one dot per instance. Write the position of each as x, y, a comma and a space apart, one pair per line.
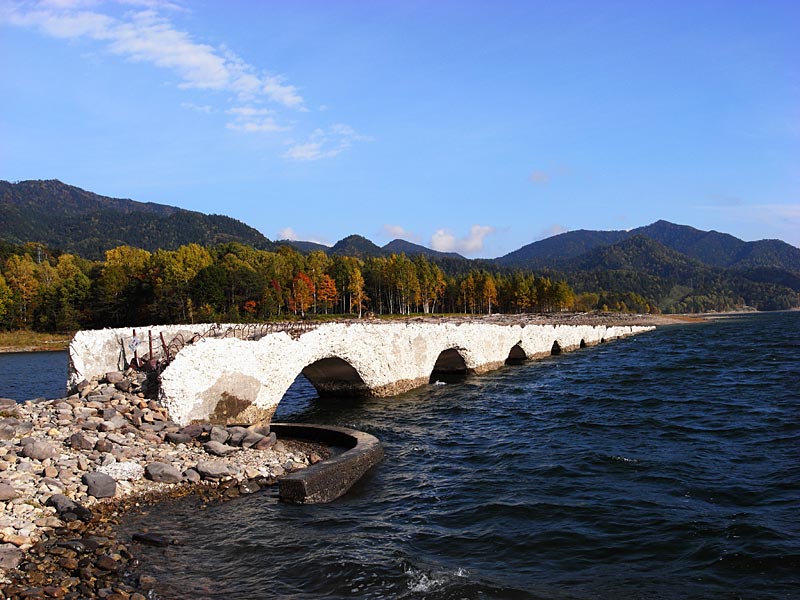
334, 376
556, 349
450, 365
582, 344
517, 355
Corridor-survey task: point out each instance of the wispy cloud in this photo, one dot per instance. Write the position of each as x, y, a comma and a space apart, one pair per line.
398, 232
552, 230
782, 219
325, 143
444, 240
145, 35
205, 109
253, 120
145, 31
287, 233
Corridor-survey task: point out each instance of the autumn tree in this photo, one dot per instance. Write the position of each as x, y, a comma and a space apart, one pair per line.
326, 292
303, 293
20, 273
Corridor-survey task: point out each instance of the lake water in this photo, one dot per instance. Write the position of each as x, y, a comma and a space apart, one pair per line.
29, 375
666, 465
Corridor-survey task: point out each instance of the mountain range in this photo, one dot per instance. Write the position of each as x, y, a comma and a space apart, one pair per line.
661, 261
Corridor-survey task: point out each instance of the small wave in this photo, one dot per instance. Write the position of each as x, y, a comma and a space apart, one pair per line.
625, 459
426, 582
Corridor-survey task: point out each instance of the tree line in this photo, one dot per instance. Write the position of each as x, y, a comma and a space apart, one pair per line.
233, 282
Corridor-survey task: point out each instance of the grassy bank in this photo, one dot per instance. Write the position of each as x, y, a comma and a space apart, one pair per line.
32, 341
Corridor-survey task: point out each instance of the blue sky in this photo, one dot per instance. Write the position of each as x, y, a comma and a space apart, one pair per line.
474, 127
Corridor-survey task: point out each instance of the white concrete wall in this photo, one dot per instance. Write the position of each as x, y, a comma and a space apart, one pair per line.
248, 378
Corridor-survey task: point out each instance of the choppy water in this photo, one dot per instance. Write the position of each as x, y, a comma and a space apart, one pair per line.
29, 375
661, 466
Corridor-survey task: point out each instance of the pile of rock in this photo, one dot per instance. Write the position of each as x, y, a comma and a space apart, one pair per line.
59, 458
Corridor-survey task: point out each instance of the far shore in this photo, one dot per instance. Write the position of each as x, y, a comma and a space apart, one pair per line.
31, 341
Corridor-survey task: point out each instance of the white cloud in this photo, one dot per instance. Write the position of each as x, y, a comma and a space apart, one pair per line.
325, 143
287, 233
143, 31
552, 230
205, 109
147, 36
251, 119
398, 232
444, 240
772, 219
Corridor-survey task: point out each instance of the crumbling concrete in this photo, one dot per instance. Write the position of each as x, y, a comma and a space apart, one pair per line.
230, 380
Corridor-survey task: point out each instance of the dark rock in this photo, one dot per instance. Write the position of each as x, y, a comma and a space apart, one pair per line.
267, 442
7, 492
236, 435
76, 546
210, 469
150, 539
100, 485
40, 450
93, 542
147, 582
218, 449
68, 563
106, 563
259, 429
124, 386
193, 430
109, 413
64, 506
78, 441
178, 438
115, 376
104, 445
163, 473
251, 439
249, 487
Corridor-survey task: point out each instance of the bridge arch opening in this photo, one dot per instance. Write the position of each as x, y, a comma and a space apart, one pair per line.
450, 367
335, 377
583, 344
516, 356
556, 349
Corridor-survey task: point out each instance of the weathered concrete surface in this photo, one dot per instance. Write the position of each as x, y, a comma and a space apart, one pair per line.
234, 380
327, 480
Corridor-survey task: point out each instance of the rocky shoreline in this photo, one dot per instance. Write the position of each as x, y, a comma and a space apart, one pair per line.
71, 467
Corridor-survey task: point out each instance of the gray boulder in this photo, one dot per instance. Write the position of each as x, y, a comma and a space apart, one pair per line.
218, 449
100, 485
178, 438
218, 434
78, 441
40, 450
7, 492
163, 473
10, 557
211, 469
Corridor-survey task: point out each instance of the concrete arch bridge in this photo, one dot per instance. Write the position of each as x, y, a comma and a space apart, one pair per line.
234, 380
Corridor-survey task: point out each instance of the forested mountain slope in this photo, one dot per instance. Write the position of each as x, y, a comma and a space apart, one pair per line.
74, 220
